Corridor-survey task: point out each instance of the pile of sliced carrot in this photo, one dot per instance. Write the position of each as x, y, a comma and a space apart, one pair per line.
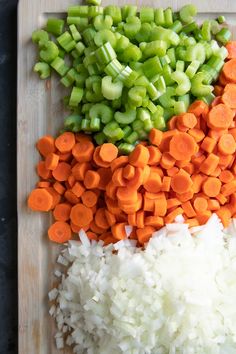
189, 170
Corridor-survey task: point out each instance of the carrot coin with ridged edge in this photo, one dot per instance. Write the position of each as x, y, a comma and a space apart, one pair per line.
65, 142
182, 146
220, 117
81, 215
59, 232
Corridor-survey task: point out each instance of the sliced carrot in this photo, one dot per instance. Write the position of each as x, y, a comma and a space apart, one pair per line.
83, 151
59, 232
198, 160
82, 137
51, 161
172, 122
166, 184
79, 170
132, 219
138, 179
118, 231
46, 145
209, 164
81, 215
218, 90
71, 180
56, 196
223, 81
111, 219
154, 155
89, 199
216, 134
188, 209
182, 163
208, 144
200, 205
100, 218
65, 142
203, 217
40, 200
189, 168
42, 171
127, 195
62, 171
62, 212
197, 134
216, 172
96, 229
192, 222
213, 204
78, 189
160, 207
232, 204
132, 208
231, 48
220, 117
155, 221
187, 120
128, 171
118, 179
148, 204
105, 177
184, 197
92, 236
119, 162
227, 144
225, 160
140, 215
198, 108
155, 136
229, 96
169, 218
229, 188
226, 176
172, 203
43, 184
112, 206
197, 180
167, 161
182, 146
108, 152
109, 239
233, 132
211, 186
154, 182
145, 234
71, 197
66, 156
225, 215
181, 182
111, 190
139, 156
229, 70
97, 159
91, 179
172, 171
166, 138
59, 188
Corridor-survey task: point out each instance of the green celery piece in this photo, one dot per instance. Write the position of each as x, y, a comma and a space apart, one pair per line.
95, 124
114, 12
155, 48
185, 99
49, 51
80, 22
105, 54
78, 10
221, 19
187, 13
95, 11
159, 123
73, 123
159, 17
59, 65
93, 2
223, 36
176, 26
113, 130
198, 86
126, 148
152, 67
122, 43
131, 53
101, 111
102, 22
136, 95
192, 68
196, 52
146, 14
88, 36
168, 15
167, 100
132, 26
66, 41
144, 33
100, 138
40, 36
148, 125
183, 82
206, 30
114, 68
76, 96
103, 36
80, 47
179, 107
55, 26
85, 125
125, 117
128, 11
131, 138
165, 34
43, 69
127, 130
111, 90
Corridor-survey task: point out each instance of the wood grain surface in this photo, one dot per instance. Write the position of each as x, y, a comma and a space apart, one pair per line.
41, 112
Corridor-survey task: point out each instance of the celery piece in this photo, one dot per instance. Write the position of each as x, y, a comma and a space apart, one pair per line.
95, 124
144, 33
142, 81
159, 123
100, 138
179, 107
103, 36
152, 67
88, 36
114, 68
180, 65
136, 95
191, 27
185, 99
49, 51
85, 125
221, 19
105, 54
78, 10
146, 14
176, 26
114, 12
223, 36
66, 41
55, 26
172, 57
192, 68
206, 30
101, 111
113, 130
196, 52
155, 48
93, 2
111, 90
132, 26
122, 43
80, 48
153, 93
167, 100
131, 138
143, 114
102, 22
128, 10
125, 117
40, 36
126, 148
43, 69
80, 22
76, 96
73, 123
131, 53
159, 17
187, 13
58, 64
184, 84
168, 16
198, 86
94, 11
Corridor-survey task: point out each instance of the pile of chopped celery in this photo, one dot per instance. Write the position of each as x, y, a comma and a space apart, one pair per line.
130, 70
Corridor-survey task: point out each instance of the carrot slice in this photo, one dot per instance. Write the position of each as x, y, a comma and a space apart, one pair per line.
204, 217
91, 179
97, 159
172, 171
71, 197
118, 179
132, 219
229, 188
42, 171
139, 156
182, 145
226, 176
111, 219
171, 124
155, 136
154, 155
118, 231
96, 229
65, 142
172, 203
181, 182
46, 145
89, 199
40, 200
218, 90
138, 179
132, 208
59, 232
56, 196
129, 172
188, 209
200, 205
105, 177
140, 218
92, 236
83, 151
59, 188
166, 184
225, 215
79, 170
62, 212
100, 219
227, 144
82, 137
198, 108
155, 221
51, 161
167, 161
64, 156
71, 181
229, 96
145, 234
154, 182
111, 190
187, 120
208, 144
197, 134
213, 204
119, 162
229, 70
127, 195
43, 184
172, 215
78, 189
160, 207
108, 152
209, 164
211, 186
81, 215
220, 117
62, 171
231, 48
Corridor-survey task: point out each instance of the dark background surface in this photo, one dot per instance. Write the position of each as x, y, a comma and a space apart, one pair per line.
8, 216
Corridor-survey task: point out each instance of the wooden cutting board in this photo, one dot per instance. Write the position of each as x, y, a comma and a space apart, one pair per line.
41, 112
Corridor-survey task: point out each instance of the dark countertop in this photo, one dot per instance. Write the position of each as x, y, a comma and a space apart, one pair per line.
8, 216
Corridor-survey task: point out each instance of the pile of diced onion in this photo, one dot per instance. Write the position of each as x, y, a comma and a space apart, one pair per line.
177, 296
